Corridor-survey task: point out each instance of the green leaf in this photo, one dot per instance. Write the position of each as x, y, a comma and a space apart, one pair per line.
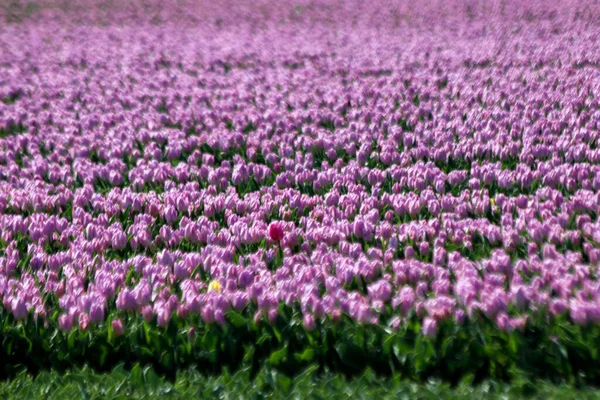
351, 355
284, 382
147, 333
71, 340
388, 343
248, 354
236, 319
209, 341
150, 377
512, 342
278, 356
103, 354
136, 373
146, 351
277, 333
307, 355
264, 338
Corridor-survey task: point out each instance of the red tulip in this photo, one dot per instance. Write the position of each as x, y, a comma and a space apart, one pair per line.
276, 232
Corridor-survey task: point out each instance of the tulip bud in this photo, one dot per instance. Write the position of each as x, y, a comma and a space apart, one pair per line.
309, 322
429, 327
117, 327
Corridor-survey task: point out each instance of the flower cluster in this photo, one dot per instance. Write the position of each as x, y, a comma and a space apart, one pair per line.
429, 174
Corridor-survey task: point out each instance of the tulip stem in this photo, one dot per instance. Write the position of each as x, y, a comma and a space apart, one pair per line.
279, 257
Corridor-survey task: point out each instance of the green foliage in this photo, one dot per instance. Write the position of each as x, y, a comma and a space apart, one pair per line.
477, 350
144, 383
12, 130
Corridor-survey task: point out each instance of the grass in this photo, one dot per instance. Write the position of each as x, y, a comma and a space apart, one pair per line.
143, 383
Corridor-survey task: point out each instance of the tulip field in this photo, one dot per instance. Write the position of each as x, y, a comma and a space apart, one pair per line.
406, 190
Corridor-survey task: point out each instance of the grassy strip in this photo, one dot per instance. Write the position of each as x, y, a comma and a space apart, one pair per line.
144, 383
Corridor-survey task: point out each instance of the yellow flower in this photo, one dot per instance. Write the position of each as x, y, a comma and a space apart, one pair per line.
492, 202
214, 286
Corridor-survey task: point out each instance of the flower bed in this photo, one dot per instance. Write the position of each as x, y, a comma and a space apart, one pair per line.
417, 195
